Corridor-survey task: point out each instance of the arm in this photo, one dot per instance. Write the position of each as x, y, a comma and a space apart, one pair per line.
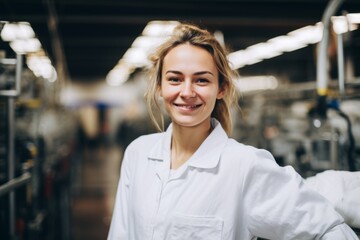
342, 189
340, 232
280, 206
119, 223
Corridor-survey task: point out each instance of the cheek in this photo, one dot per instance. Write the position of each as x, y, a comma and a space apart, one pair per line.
209, 96
168, 94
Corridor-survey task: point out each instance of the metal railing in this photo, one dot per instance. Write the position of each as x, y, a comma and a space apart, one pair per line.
13, 183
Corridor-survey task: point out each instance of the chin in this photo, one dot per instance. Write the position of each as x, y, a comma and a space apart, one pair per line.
189, 121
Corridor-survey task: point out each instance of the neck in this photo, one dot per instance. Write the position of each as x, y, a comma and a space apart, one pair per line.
185, 141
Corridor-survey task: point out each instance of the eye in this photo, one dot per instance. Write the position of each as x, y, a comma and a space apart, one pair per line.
202, 80
174, 79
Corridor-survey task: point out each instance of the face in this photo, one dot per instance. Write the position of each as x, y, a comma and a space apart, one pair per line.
189, 85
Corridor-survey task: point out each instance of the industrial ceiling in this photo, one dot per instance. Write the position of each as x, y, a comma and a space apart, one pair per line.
86, 38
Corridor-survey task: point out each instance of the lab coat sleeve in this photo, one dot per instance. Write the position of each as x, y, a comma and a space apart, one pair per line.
119, 223
280, 206
342, 189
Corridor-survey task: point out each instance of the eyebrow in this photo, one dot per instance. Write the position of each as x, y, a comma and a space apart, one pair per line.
197, 73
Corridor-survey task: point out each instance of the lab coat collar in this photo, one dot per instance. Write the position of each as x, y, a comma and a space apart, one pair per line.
208, 154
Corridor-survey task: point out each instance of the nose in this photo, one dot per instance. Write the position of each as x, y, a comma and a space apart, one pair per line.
187, 90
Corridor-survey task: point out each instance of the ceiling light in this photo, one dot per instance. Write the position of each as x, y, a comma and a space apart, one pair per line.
8, 32
118, 75
25, 31
159, 28
353, 18
294, 40
256, 83
20, 30
136, 57
263, 50
41, 66
219, 36
22, 40
309, 34
241, 58
287, 43
22, 46
148, 42
340, 24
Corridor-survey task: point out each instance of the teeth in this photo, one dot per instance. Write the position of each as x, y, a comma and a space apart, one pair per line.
188, 106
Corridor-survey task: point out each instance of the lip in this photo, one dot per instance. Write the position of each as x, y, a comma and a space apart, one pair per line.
188, 107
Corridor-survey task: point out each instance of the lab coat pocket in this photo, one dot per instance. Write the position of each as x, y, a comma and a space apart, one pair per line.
196, 228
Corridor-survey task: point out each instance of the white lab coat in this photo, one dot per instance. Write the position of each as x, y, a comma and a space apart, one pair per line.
226, 190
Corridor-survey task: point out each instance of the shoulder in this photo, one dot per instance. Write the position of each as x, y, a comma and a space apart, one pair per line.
246, 153
243, 161
138, 150
144, 141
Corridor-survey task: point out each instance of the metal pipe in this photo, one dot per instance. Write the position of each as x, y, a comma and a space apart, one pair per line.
11, 163
14, 183
8, 61
340, 63
321, 67
11, 142
19, 66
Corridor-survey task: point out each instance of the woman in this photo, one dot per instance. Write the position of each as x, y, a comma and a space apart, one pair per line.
193, 181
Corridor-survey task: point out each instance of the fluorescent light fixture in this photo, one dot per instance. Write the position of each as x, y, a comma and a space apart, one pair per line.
292, 41
8, 32
256, 83
263, 51
41, 66
25, 31
22, 46
236, 59
13, 31
309, 34
119, 74
353, 18
136, 57
219, 36
22, 40
148, 43
159, 28
153, 35
18, 46
340, 24
286, 43
49, 73
241, 58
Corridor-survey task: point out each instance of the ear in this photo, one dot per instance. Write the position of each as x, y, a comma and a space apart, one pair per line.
221, 93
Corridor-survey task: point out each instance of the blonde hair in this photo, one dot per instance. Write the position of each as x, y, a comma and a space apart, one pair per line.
191, 34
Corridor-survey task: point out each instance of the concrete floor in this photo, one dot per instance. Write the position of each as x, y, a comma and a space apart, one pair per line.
95, 191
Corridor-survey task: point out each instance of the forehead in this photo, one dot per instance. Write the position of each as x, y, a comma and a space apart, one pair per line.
189, 57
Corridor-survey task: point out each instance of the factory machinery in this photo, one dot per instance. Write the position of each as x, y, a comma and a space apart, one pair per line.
313, 126
35, 156
286, 122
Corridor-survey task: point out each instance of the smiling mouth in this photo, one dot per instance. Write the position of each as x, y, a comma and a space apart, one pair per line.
188, 106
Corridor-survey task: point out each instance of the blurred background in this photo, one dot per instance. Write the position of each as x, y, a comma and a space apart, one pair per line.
73, 76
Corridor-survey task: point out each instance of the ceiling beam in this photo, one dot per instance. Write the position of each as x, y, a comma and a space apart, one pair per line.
56, 43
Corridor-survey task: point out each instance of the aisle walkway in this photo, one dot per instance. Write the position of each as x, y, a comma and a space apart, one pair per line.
92, 206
